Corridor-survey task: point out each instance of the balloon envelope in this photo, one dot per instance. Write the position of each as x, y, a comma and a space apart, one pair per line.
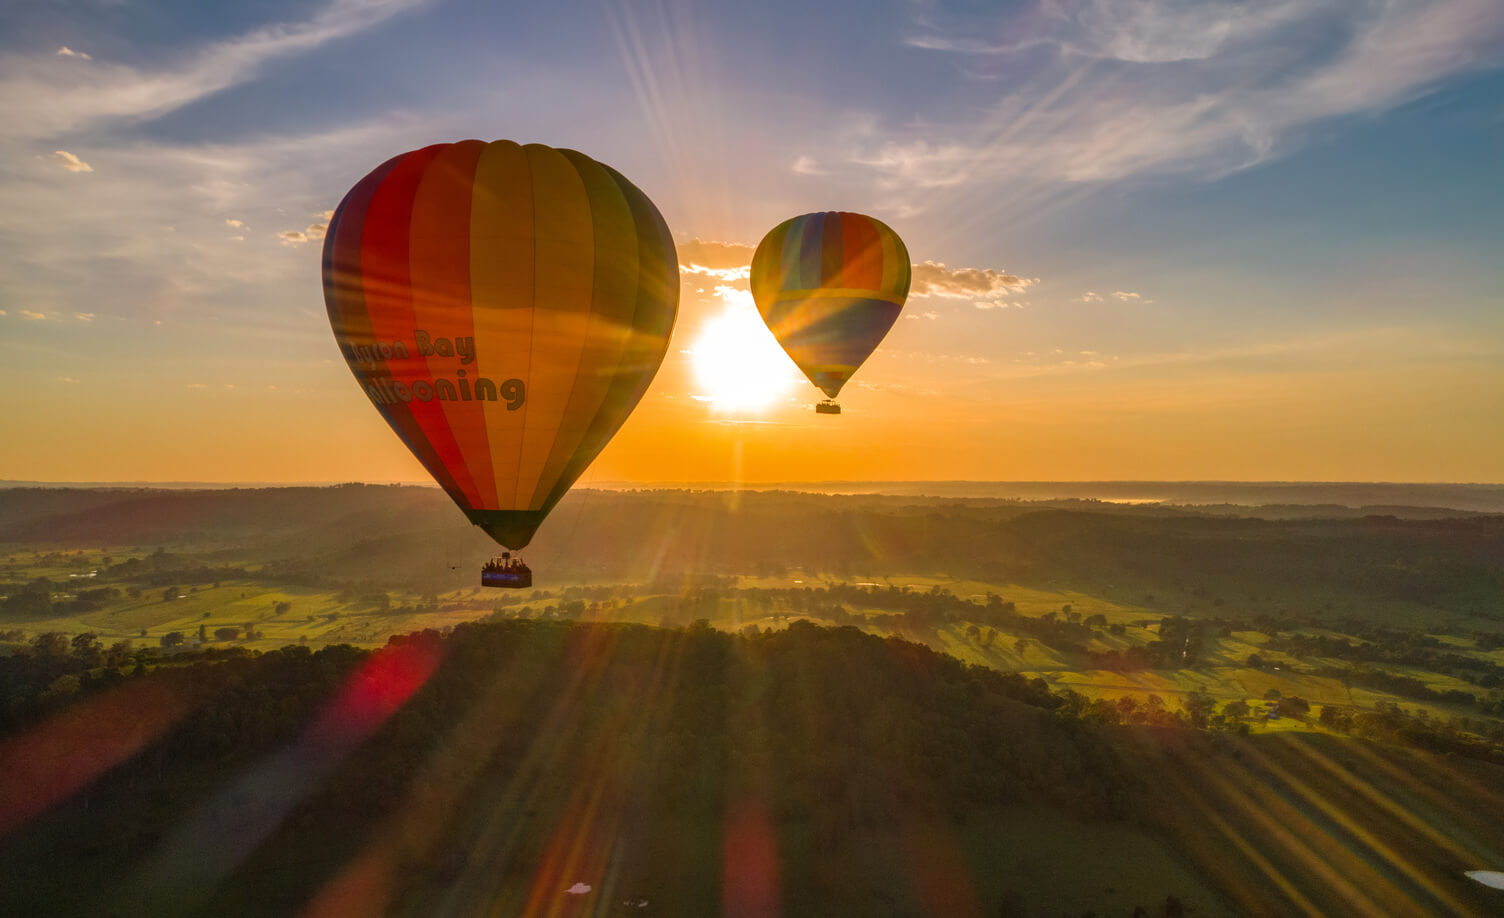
830, 285
504, 307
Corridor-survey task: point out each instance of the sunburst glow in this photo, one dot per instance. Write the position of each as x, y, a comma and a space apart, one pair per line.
738, 366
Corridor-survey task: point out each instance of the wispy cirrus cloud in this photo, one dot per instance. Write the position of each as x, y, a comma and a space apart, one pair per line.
1201, 88
37, 100
66, 51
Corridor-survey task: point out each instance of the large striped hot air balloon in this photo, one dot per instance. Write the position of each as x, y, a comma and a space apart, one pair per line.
504, 307
830, 285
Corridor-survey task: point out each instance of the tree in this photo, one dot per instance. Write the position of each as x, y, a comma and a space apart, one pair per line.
226, 634
1236, 710
173, 639
1198, 706
283, 608
1273, 695
52, 644
119, 654
171, 593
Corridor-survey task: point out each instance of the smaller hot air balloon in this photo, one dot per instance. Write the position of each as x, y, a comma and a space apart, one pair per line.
830, 285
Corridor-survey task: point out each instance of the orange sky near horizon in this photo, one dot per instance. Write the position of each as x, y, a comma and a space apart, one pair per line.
1318, 409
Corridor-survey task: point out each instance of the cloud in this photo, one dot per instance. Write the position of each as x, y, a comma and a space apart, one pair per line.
920, 164
66, 379
718, 255
1090, 296
1169, 86
921, 315
34, 316
727, 262
730, 263
70, 162
37, 102
197, 385
298, 237
84, 316
578, 889
1147, 31
1130, 297
983, 286
806, 165
235, 224
66, 51
326, 215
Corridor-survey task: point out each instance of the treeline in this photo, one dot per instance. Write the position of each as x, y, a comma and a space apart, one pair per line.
1403, 648
1407, 687
1388, 722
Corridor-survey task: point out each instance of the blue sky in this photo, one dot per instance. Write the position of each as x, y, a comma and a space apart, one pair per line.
1153, 223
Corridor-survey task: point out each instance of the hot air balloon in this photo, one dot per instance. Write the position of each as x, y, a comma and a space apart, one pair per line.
504, 307
830, 285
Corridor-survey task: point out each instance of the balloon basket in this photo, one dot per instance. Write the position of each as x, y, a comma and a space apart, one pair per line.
827, 407
506, 572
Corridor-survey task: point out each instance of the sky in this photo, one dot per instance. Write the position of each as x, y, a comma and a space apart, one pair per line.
1157, 240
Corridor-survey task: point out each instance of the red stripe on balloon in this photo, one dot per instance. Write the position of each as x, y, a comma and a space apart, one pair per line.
351, 319
440, 275
832, 254
864, 253
385, 249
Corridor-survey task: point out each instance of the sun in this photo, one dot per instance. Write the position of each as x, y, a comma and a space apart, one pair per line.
738, 366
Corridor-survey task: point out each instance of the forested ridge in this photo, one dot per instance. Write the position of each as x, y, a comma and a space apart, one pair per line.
836, 736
